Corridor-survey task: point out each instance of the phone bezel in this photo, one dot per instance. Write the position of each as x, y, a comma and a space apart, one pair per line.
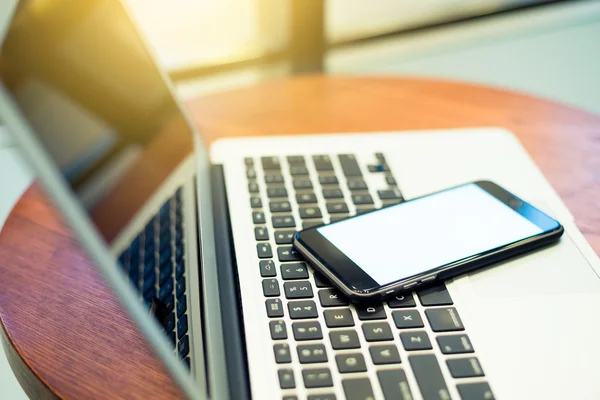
357, 284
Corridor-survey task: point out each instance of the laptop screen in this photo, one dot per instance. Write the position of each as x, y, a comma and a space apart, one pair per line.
86, 84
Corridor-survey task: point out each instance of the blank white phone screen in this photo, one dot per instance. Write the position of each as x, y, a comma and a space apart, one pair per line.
414, 237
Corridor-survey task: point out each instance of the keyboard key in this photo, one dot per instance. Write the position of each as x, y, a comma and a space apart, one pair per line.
386, 354
182, 326
169, 322
333, 194
280, 206
371, 312
270, 163
390, 180
332, 298
364, 209
394, 384
267, 268
283, 221
337, 208
358, 389
261, 233
309, 330
417, 340
435, 296
250, 173
258, 217
270, 287
166, 289
298, 290
338, 217
402, 301
378, 168
284, 237
444, 319
302, 183
407, 319
311, 353
322, 163
464, 367
278, 330
273, 179
328, 180
274, 192
338, 318
172, 338
429, 377
184, 346
357, 184
316, 378
455, 344
288, 253
274, 308
264, 250
169, 303
306, 198
286, 379
149, 294
294, 271
354, 362
389, 194
326, 396
149, 279
165, 272
181, 305
296, 160
377, 332
282, 353
475, 391
346, 339
253, 187
298, 171
302, 309
165, 253
310, 212
179, 269
255, 202
310, 223
362, 199
320, 280
349, 165
248, 161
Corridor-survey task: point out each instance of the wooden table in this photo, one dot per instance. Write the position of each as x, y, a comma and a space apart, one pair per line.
65, 334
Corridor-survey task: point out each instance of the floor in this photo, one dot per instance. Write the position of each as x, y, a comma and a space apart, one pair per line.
549, 52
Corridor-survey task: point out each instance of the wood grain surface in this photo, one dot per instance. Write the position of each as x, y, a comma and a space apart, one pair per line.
66, 335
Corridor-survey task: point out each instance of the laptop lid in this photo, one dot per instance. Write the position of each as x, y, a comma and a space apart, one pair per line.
86, 101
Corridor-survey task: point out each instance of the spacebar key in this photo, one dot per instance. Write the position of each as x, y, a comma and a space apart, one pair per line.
429, 377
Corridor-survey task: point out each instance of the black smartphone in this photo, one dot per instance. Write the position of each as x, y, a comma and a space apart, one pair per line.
430, 238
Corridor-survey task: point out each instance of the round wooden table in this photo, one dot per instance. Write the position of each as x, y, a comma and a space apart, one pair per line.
64, 332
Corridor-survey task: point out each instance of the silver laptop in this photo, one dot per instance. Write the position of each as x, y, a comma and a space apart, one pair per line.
197, 242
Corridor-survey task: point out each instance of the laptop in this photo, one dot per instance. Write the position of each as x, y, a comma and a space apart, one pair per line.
196, 241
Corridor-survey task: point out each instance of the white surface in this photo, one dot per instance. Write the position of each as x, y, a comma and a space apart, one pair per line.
457, 223
550, 51
517, 339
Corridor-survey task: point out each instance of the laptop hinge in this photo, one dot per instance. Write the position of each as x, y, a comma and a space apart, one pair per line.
229, 293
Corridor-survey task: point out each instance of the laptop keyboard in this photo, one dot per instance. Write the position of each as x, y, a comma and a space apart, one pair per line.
155, 263
415, 334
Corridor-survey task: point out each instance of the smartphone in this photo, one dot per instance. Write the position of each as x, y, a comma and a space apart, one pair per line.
431, 238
